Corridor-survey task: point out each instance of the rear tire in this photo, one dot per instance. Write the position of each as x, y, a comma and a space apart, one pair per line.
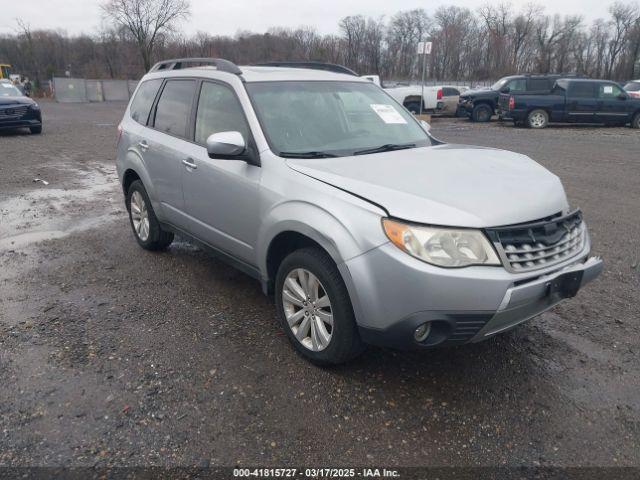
329, 291
482, 113
538, 119
36, 130
413, 107
635, 123
144, 223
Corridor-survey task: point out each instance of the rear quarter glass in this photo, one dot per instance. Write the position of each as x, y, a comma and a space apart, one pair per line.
143, 100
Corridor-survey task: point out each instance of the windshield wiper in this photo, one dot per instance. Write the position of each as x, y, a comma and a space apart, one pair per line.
386, 148
307, 155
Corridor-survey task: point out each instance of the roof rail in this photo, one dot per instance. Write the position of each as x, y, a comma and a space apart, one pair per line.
329, 67
178, 64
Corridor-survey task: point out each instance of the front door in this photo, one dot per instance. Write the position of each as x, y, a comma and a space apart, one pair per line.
613, 104
221, 196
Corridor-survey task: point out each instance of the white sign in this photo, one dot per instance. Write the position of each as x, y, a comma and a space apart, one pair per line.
387, 113
424, 48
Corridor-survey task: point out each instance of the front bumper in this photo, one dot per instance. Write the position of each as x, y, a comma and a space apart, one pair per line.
25, 122
465, 106
393, 293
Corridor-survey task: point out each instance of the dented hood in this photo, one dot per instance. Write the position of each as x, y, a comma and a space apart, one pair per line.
454, 185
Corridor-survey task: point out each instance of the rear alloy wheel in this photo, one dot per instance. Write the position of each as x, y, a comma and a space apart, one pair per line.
538, 119
482, 113
144, 223
315, 309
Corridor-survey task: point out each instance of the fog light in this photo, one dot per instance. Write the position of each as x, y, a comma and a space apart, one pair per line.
422, 332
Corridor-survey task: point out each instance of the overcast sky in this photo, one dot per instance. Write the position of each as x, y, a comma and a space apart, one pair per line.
227, 17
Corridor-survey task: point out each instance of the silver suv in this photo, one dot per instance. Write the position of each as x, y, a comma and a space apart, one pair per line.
365, 228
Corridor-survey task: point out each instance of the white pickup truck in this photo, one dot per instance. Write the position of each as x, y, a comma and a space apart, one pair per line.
437, 99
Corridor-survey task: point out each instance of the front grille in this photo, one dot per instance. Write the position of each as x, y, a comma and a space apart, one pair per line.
540, 244
13, 112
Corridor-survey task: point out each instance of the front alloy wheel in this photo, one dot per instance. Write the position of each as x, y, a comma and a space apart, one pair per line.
307, 309
315, 309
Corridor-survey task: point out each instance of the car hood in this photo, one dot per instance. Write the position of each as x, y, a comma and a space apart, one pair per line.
454, 185
478, 91
4, 101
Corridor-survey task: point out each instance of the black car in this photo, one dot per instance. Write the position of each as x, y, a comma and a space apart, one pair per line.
18, 111
574, 101
480, 105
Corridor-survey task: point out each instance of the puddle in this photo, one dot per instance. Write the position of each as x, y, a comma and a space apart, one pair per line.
46, 213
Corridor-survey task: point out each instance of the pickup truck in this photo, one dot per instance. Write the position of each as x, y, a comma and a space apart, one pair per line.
481, 104
573, 101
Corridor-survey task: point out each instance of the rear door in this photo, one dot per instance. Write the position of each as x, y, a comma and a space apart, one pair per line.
582, 103
166, 142
613, 104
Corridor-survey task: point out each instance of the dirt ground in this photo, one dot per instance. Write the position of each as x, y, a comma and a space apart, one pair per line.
111, 355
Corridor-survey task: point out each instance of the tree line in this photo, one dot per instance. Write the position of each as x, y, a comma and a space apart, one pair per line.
483, 44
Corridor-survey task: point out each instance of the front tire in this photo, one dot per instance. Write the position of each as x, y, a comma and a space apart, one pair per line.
144, 223
635, 123
538, 119
315, 309
482, 113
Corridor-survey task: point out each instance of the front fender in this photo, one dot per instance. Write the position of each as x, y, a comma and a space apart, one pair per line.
348, 234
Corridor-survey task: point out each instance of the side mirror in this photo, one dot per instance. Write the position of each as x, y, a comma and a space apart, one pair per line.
425, 125
227, 145
505, 90
622, 96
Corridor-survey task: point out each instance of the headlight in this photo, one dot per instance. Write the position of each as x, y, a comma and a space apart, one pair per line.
35, 106
444, 247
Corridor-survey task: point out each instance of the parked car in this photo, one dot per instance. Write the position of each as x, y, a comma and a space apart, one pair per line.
574, 101
438, 99
17, 110
364, 227
633, 88
480, 105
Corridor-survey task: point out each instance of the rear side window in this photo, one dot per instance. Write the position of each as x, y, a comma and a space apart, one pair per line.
142, 102
450, 92
581, 90
174, 107
540, 84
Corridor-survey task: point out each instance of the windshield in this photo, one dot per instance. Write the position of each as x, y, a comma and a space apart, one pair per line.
632, 87
332, 118
8, 90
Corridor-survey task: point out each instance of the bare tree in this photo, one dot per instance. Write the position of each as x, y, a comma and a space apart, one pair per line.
146, 20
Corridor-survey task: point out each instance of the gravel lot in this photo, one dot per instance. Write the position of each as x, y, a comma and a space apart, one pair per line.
110, 355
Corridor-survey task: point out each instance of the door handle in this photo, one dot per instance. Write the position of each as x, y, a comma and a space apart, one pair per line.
189, 163
144, 146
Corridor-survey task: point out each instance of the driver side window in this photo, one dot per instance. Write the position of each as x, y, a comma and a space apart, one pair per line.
519, 85
219, 110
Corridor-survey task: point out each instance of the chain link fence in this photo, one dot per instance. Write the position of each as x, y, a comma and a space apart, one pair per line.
78, 90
